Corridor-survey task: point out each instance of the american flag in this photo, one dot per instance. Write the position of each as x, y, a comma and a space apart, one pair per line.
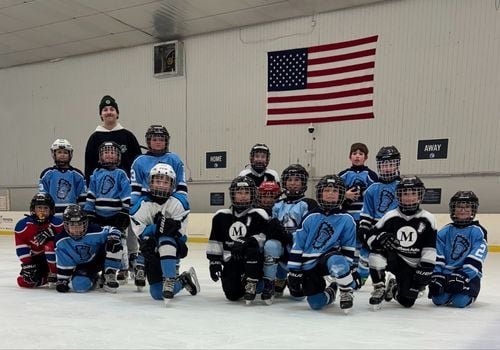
323, 83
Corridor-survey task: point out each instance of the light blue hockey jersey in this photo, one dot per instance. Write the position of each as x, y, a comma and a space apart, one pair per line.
379, 198
109, 192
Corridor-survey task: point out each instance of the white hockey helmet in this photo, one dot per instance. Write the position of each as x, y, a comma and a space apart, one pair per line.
61, 144
157, 184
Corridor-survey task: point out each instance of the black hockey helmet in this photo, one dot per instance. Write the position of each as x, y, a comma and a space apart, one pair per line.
259, 166
157, 131
465, 200
109, 147
333, 181
44, 199
388, 159
239, 183
412, 185
75, 221
299, 171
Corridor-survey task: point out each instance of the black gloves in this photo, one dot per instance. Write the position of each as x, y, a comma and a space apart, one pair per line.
215, 270
278, 232
148, 248
121, 221
167, 226
44, 236
113, 244
437, 284
357, 279
385, 240
29, 272
62, 286
457, 282
238, 250
422, 276
295, 279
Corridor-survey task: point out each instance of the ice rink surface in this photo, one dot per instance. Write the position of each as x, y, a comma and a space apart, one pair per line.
45, 319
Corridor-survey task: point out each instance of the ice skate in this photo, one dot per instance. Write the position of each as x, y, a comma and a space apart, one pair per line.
268, 292
390, 290
279, 287
139, 277
332, 292
346, 299
52, 280
122, 277
250, 290
378, 295
168, 289
189, 281
110, 282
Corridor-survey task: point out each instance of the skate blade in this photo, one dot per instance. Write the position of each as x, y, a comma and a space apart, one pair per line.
166, 301
268, 302
346, 311
110, 290
139, 289
376, 307
248, 302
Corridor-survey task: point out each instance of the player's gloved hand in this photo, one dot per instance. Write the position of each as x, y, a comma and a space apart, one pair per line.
62, 286
275, 230
295, 279
215, 270
385, 240
437, 284
148, 248
44, 236
121, 221
422, 276
239, 249
29, 272
357, 279
457, 282
113, 244
167, 227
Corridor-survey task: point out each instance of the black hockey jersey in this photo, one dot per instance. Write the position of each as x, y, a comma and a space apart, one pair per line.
228, 226
416, 235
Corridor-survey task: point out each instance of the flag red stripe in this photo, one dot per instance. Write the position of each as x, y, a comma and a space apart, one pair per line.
346, 56
313, 109
321, 119
344, 44
338, 70
315, 97
346, 81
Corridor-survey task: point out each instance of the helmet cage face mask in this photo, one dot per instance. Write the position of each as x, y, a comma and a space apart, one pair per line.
301, 173
242, 185
259, 157
323, 188
410, 198
267, 194
109, 155
162, 180
463, 207
388, 170
64, 145
157, 133
75, 221
42, 200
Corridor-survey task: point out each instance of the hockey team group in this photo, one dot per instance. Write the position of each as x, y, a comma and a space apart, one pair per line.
128, 216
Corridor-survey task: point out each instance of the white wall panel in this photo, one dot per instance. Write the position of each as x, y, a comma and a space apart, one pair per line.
436, 76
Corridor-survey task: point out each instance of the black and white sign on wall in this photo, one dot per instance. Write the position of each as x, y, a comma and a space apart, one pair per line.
217, 198
432, 149
216, 160
432, 196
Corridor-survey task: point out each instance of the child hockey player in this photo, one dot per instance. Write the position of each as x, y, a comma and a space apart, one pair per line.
159, 220
34, 237
461, 249
258, 170
404, 243
324, 246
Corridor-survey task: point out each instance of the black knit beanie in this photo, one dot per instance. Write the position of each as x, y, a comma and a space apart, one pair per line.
108, 101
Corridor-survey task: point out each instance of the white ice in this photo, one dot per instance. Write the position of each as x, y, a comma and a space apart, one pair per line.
45, 319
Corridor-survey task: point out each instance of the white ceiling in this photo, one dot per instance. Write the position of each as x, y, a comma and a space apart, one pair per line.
41, 30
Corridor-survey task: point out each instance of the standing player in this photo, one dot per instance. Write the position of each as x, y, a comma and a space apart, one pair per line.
34, 237
236, 240
65, 184
404, 243
85, 250
324, 246
357, 179
260, 156
461, 250
159, 220
289, 212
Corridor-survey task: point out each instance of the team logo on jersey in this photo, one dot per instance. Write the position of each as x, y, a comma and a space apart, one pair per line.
323, 235
83, 251
123, 149
289, 223
459, 247
107, 184
421, 227
385, 200
407, 236
63, 189
237, 230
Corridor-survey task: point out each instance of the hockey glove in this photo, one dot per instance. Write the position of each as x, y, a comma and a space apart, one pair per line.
422, 276
62, 286
114, 244
167, 227
295, 279
239, 249
215, 270
121, 221
148, 248
385, 240
357, 280
437, 285
457, 282
44, 236
278, 232
30, 273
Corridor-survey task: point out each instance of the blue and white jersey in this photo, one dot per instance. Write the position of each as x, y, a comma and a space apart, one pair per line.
291, 213
73, 252
378, 199
322, 233
461, 248
139, 173
360, 177
66, 186
143, 213
109, 192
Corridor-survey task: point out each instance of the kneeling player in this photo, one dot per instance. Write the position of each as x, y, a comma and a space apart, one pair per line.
404, 243
461, 249
159, 220
324, 246
85, 250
